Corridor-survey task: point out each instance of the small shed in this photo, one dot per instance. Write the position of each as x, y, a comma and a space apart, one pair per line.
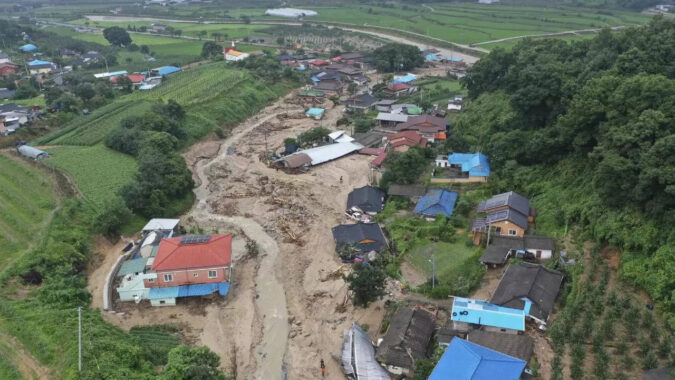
31, 152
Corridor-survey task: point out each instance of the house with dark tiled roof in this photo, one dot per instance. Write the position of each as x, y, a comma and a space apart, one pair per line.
364, 202
406, 341
360, 238
518, 346
529, 287
360, 102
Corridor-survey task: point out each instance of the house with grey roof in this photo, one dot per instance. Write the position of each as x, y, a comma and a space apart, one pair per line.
507, 214
359, 238
529, 287
518, 346
406, 341
529, 247
364, 202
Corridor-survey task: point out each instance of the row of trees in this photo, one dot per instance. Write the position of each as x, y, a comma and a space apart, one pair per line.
163, 176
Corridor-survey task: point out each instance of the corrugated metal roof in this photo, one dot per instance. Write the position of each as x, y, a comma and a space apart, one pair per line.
132, 266
330, 152
173, 254
474, 163
161, 224
314, 112
464, 360
437, 201
396, 117
31, 152
193, 290
487, 314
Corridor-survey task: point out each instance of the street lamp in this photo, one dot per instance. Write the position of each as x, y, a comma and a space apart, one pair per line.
433, 271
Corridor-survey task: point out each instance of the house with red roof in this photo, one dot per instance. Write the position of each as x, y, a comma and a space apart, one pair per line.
402, 141
430, 127
136, 79
399, 89
190, 265
8, 68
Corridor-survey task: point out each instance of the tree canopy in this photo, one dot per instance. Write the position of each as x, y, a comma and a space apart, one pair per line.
598, 113
117, 36
397, 57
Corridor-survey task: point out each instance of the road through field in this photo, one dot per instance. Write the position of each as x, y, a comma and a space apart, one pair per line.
352, 28
271, 300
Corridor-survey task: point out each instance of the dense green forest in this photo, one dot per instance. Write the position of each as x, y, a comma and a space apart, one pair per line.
588, 130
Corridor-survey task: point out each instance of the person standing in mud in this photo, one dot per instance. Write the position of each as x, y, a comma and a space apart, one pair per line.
323, 365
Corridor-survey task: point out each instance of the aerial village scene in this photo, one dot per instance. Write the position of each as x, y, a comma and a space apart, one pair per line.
284, 195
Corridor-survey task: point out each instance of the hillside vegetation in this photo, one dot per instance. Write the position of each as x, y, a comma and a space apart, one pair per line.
27, 198
587, 130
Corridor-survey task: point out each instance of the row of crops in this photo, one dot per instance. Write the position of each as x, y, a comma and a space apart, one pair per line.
99, 172
156, 340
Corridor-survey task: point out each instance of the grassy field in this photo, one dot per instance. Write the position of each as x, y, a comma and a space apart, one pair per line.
98, 172
448, 257
26, 200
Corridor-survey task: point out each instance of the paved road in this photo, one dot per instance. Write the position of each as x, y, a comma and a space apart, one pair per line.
558, 34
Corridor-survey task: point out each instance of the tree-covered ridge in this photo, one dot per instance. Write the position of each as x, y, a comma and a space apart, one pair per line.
593, 121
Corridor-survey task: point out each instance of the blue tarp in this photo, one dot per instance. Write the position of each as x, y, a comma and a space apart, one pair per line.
487, 314
28, 47
431, 57
189, 290
464, 360
166, 70
451, 59
475, 163
437, 201
405, 79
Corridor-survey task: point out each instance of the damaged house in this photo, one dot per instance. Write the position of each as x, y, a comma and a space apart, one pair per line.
406, 341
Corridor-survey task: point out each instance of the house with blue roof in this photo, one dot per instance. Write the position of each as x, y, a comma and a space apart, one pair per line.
437, 201
468, 167
464, 360
493, 317
165, 70
38, 66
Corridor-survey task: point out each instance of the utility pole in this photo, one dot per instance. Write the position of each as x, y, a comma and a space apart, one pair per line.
433, 271
79, 339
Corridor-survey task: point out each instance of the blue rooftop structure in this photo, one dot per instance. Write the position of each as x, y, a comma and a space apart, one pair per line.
314, 112
431, 57
464, 360
437, 201
451, 59
487, 314
28, 48
38, 62
189, 290
166, 70
476, 164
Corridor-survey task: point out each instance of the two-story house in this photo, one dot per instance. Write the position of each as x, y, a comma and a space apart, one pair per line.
191, 265
507, 214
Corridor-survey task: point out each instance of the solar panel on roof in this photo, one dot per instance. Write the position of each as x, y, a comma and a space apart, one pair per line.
195, 239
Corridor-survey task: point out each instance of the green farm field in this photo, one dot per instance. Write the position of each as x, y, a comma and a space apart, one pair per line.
471, 23
98, 171
26, 200
448, 257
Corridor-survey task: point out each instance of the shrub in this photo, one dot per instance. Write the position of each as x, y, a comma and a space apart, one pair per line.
367, 283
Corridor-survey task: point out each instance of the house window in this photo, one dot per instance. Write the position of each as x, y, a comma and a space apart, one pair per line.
162, 302
498, 230
513, 232
168, 277
213, 274
151, 280
195, 275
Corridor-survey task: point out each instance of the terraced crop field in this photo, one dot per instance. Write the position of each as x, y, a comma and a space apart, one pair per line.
26, 199
98, 172
92, 129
